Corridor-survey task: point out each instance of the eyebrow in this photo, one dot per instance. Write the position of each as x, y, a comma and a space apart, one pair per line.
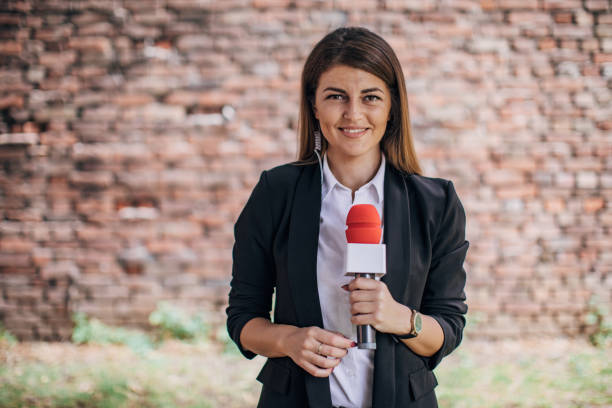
362, 91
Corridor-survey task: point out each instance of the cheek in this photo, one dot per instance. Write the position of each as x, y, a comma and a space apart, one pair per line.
327, 118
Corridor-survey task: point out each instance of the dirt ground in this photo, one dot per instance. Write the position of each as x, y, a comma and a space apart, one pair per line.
228, 379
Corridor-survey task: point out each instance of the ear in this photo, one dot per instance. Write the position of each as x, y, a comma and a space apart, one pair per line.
316, 112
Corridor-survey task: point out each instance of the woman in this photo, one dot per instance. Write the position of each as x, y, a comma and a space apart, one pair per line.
290, 240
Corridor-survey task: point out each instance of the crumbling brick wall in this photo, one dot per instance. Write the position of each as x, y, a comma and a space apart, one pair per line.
132, 131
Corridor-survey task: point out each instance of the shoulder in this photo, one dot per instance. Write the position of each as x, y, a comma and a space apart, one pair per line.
284, 177
285, 173
272, 193
433, 194
431, 188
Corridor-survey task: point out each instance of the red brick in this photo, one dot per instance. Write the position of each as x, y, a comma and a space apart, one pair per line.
504, 177
563, 18
509, 4
10, 48
561, 4
14, 101
8, 259
59, 270
596, 5
522, 18
603, 30
601, 58
15, 244
555, 206
134, 99
547, 44
41, 256
100, 45
99, 179
593, 204
271, 3
522, 308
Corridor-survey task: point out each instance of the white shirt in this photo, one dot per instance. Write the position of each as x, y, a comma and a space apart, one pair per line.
351, 381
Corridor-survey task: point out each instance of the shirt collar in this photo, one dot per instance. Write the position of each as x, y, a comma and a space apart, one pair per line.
377, 182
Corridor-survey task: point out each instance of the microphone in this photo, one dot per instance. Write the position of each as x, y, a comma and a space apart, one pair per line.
365, 256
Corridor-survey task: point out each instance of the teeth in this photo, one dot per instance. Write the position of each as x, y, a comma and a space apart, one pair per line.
353, 130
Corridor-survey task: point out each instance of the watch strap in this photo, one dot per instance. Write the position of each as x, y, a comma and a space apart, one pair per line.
412, 333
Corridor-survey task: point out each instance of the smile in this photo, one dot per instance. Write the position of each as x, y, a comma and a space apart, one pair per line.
353, 132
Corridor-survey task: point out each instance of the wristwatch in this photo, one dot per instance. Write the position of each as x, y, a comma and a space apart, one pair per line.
416, 325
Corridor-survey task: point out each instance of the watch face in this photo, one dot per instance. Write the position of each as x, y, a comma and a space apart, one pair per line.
418, 323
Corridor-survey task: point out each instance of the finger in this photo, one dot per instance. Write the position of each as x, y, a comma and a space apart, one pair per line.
316, 371
322, 361
363, 319
364, 296
331, 351
364, 283
333, 339
363, 308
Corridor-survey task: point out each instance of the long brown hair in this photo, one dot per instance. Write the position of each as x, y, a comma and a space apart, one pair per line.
359, 48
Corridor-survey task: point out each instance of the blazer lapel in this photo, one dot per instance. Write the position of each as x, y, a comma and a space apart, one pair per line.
398, 234
397, 237
303, 245
302, 251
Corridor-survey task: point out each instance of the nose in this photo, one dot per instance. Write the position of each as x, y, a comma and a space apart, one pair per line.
352, 109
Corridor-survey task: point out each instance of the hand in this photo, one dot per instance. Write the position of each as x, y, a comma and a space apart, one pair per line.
309, 348
372, 303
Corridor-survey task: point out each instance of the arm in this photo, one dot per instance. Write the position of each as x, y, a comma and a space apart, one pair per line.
372, 303
253, 279
250, 298
444, 296
308, 347
442, 305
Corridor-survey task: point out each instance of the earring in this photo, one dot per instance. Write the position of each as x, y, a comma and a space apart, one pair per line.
317, 140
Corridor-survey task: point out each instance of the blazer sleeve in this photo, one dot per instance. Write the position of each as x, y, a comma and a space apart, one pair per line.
252, 281
444, 295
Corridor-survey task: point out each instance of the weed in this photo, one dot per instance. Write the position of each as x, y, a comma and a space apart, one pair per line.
172, 322
6, 338
94, 331
600, 322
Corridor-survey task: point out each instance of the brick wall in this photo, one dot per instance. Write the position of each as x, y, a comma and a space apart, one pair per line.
131, 134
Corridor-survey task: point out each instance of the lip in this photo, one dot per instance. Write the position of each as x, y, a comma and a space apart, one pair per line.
352, 134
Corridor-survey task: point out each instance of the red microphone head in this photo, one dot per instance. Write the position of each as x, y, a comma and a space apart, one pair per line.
363, 224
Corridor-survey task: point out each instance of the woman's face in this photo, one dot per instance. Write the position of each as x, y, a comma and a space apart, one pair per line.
353, 108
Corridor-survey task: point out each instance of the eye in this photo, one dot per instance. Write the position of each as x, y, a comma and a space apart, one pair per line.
372, 98
336, 97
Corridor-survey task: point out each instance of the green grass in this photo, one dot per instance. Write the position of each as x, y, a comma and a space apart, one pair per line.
179, 374
189, 363
108, 383
581, 378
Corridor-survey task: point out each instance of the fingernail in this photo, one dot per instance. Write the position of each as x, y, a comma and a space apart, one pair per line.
345, 287
353, 344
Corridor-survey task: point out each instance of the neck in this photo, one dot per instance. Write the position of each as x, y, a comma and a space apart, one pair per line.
356, 172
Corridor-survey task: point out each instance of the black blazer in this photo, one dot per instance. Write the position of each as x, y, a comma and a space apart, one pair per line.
276, 240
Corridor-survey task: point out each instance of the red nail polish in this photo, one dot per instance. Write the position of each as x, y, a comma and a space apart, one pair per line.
353, 344
345, 287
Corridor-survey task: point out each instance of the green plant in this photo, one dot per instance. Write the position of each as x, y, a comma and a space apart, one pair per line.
94, 331
6, 337
598, 318
105, 384
173, 322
